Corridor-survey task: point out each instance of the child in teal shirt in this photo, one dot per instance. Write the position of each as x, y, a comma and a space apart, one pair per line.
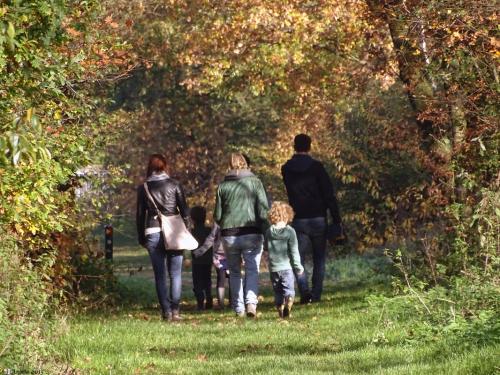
281, 242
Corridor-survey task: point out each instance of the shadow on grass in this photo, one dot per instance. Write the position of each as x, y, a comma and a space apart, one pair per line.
333, 336
135, 288
345, 288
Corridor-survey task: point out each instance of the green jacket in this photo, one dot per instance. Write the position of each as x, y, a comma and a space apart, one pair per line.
283, 249
241, 202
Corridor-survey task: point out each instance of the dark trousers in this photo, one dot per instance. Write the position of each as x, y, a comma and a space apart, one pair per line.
311, 235
202, 283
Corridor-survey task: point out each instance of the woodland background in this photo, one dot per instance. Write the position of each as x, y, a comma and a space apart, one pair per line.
400, 98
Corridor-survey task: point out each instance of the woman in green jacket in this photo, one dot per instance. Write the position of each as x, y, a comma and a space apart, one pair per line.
241, 212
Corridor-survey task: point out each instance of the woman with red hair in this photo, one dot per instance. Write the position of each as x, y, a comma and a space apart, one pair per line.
169, 198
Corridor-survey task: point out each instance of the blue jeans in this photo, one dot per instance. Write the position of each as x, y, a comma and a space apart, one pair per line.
311, 235
282, 285
164, 261
249, 248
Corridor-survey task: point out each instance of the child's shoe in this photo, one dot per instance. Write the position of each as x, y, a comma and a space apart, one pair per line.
200, 305
280, 309
288, 307
306, 299
209, 305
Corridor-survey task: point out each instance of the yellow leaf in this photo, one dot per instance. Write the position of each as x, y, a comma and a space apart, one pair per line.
19, 228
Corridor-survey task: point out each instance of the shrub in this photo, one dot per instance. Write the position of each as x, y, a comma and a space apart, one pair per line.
25, 308
466, 309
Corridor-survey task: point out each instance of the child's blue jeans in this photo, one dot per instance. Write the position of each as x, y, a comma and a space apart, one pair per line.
283, 285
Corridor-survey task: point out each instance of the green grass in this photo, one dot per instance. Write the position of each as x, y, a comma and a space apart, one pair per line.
336, 336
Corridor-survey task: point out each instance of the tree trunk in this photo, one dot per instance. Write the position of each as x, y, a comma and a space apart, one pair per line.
410, 57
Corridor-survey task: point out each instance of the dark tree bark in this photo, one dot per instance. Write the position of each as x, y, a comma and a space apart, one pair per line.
411, 60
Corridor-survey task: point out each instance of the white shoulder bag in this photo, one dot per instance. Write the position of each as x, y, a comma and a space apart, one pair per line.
175, 234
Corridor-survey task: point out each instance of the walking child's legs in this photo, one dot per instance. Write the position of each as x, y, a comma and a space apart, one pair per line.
288, 291
287, 283
207, 285
279, 298
198, 285
284, 292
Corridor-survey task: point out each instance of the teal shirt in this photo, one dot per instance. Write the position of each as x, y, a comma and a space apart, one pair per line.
283, 249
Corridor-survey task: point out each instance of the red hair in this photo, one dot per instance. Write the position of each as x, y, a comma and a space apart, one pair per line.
157, 163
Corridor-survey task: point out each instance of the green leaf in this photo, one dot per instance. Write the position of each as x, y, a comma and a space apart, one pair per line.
14, 141
11, 32
45, 153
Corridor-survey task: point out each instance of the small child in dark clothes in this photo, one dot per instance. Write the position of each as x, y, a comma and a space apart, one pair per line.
219, 260
281, 242
201, 261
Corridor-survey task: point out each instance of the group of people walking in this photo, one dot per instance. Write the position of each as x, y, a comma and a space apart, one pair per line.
245, 224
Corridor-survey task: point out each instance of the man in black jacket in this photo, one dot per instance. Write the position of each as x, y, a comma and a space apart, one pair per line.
311, 195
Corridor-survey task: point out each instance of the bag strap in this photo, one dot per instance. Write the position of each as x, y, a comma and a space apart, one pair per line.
158, 212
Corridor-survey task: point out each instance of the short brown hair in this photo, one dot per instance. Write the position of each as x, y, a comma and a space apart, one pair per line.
280, 211
238, 161
157, 163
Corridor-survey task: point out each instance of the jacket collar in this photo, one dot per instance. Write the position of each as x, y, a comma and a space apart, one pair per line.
238, 174
299, 163
158, 177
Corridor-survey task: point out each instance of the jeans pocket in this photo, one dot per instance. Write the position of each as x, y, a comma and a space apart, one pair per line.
152, 241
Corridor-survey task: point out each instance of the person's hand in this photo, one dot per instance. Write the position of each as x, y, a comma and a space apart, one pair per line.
300, 273
336, 235
198, 252
341, 240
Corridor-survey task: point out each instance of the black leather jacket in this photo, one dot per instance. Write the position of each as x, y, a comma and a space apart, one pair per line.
169, 197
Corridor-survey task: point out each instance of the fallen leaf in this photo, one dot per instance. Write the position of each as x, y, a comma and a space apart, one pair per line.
201, 357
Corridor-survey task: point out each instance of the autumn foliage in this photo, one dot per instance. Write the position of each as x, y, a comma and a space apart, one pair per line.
400, 98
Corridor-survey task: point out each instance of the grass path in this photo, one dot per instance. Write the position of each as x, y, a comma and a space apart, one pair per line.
333, 337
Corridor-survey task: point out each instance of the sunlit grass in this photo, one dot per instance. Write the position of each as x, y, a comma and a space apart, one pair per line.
337, 336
